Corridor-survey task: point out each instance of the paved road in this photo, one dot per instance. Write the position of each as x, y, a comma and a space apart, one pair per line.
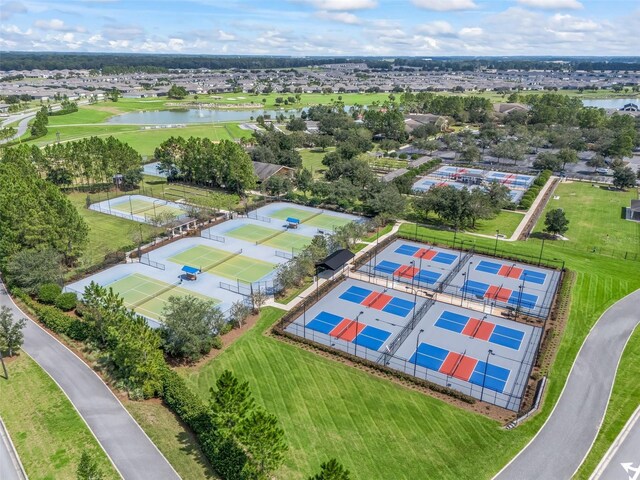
560, 446
131, 451
622, 461
10, 468
22, 126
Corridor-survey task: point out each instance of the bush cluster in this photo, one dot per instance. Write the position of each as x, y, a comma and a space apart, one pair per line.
530, 195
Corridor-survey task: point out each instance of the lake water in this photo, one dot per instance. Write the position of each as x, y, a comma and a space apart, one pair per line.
616, 103
193, 115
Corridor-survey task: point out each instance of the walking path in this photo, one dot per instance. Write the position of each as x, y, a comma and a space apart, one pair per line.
563, 442
131, 451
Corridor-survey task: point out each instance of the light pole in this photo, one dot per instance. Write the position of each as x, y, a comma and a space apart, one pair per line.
415, 361
467, 279
541, 248
495, 249
130, 206
415, 237
484, 377
355, 340
304, 317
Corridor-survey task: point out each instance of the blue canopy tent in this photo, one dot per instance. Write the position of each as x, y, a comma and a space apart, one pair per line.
190, 272
293, 222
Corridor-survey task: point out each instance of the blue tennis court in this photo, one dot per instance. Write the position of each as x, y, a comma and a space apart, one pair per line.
436, 256
386, 266
507, 337
427, 276
532, 276
452, 321
324, 322
398, 306
355, 294
524, 300
429, 356
475, 288
488, 267
372, 337
496, 377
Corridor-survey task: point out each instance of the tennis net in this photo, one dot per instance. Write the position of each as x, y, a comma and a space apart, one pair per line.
221, 261
266, 239
154, 295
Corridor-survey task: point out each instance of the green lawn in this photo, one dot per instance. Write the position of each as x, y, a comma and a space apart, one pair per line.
48, 433
312, 160
107, 233
330, 409
595, 215
178, 445
506, 222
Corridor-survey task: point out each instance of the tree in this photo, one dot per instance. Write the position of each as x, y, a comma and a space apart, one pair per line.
277, 185
388, 202
567, 155
131, 178
29, 269
190, 326
596, 162
11, 336
331, 470
304, 179
88, 468
177, 92
624, 177
231, 402
258, 298
297, 125
547, 161
238, 313
470, 154
263, 440
113, 94
556, 223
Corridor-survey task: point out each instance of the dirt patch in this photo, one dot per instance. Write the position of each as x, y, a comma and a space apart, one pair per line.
114, 110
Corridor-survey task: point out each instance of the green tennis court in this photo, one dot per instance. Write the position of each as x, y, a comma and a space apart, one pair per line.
200, 256
279, 239
147, 296
298, 213
328, 222
313, 219
236, 267
138, 205
244, 269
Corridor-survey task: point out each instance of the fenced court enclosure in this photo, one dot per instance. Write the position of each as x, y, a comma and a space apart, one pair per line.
484, 356
495, 283
460, 177
232, 259
140, 208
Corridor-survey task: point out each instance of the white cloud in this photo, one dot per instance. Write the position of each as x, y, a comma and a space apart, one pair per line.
57, 25
552, 4
342, 17
471, 32
445, 5
438, 27
224, 36
570, 23
342, 5
10, 9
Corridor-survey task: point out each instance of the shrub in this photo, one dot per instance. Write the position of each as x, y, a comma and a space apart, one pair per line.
403, 156
66, 301
216, 342
49, 292
78, 330
52, 318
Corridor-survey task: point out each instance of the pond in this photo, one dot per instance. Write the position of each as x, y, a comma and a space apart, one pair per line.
194, 115
616, 103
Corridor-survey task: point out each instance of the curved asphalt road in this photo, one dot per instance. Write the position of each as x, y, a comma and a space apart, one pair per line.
562, 443
129, 448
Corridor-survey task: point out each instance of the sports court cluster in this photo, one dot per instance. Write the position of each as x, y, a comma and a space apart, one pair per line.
443, 315
460, 177
224, 264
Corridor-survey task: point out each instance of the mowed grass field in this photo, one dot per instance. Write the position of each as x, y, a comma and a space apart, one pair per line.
312, 160
382, 430
595, 215
48, 433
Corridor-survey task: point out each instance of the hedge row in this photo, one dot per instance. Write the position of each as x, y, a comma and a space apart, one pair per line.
225, 456
530, 195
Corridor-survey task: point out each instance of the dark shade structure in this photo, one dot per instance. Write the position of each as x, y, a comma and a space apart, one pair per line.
336, 260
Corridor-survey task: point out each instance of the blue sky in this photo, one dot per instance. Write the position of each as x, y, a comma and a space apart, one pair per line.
324, 27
